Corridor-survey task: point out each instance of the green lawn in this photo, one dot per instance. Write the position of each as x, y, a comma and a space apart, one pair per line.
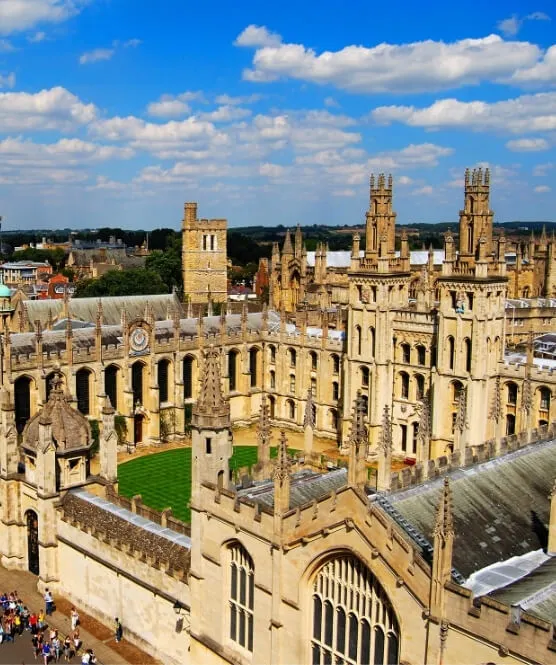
164, 479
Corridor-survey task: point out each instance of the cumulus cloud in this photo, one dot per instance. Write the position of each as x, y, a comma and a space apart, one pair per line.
528, 145
229, 100
56, 108
541, 170
544, 71
512, 25
67, 152
542, 189
528, 113
7, 81
37, 37
225, 114
104, 183
413, 67
260, 36
96, 55
174, 106
18, 15
272, 170
427, 190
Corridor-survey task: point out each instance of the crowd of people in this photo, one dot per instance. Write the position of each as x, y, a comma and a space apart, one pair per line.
47, 643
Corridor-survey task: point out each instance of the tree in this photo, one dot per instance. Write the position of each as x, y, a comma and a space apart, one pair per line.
133, 282
56, 257
167, 265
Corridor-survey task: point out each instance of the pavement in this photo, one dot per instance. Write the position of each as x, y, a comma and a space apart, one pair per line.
94, 635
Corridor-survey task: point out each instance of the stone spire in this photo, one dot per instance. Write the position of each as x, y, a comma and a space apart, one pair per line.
442, 553
309, 423
263, 438
358, 444
281, 476
287, 249
384, 475
211, 409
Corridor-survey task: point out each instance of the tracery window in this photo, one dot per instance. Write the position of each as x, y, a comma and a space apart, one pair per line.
353, 620
242, 596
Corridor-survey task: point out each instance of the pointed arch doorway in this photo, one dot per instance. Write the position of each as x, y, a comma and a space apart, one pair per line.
32, 541
138, 422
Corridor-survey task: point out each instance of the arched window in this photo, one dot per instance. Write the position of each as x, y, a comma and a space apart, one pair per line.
544, 399
313, 360
335, 363
48, 384
272, 407
511, 389
406, 353
421, 355
404, 385
111, 384
293, 357
403, 436
188, 377
457, 387
292, 383
372, 341
253, 366
415, 431
357, 340
22, 396
510, 424
242, 596
365, 377
365, 403
335, 391
137, 382
290, 408
333, 419
83, 390
353, 619
314, 386
419, 386
272, 376
467, 351
232, 369
451, 352
272, 353
163, 375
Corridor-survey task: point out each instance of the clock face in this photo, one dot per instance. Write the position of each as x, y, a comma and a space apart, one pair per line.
139, 339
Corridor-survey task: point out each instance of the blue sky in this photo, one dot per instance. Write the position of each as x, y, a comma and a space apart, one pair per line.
115, 112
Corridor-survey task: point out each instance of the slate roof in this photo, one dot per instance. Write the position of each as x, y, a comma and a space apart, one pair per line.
306, 486
85, 309
501, 507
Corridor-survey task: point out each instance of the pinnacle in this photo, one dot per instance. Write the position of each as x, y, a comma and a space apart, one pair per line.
444, 518
211, 401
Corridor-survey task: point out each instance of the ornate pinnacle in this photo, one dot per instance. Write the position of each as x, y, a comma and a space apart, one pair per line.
283, 463
496, 406
358, 434
309, 419
263, 428
385, 441
211, 402
553, 492
444, 525
424, 428
99, 313
461, 417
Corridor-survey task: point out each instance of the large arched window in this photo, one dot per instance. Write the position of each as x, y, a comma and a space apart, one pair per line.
83, 390
242, 596
313, 360
22, 396
290, 409
404, 385
188, 377
353, 620
137, 382
111, 384
254, 366
544, 396
335, 363
163, 375
511, 394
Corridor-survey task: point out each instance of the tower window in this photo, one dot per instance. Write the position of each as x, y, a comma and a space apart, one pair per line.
242, 597
406, 353
403, 429
208, 445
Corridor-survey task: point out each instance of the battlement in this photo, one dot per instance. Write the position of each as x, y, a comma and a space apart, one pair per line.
381, 183
477, 179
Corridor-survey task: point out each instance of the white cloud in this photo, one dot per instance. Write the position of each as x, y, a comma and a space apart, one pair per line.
96, 55
6, 46
7, 81
538, 16
404, 180
427, 190
37, 37
509, 26
344, 192
168, 108
255, 35
69, 152
542, 189
541, 170
225, 114
418, 66
229, 100
271, 170
18, 15
528, 113
104, 183
56, 108
528, 145
330, 102
132, 43
544, 71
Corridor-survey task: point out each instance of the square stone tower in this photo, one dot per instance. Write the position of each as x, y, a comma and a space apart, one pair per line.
204, 257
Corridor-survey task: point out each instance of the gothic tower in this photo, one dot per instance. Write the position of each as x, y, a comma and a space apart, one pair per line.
475, 220
211, 443
204, 257
380, 219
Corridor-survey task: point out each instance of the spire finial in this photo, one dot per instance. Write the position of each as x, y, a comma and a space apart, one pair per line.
283, 463
444, 525
309, 418
211, 402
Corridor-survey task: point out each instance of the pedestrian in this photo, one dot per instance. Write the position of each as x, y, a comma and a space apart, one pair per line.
56, 647
67, 649
119, 630
74, 618
33, 623
46, 651
40, 621
76, 640
48, 602
86, 657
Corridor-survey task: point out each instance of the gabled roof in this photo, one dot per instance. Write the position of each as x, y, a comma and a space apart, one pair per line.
500, 508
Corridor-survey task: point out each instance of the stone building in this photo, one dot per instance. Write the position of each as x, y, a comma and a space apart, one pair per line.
318, 278
204, 258
448, 559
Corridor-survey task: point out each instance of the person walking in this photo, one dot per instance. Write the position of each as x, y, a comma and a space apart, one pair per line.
67, 649
74, 618
46, 651
119, 630
48, 602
